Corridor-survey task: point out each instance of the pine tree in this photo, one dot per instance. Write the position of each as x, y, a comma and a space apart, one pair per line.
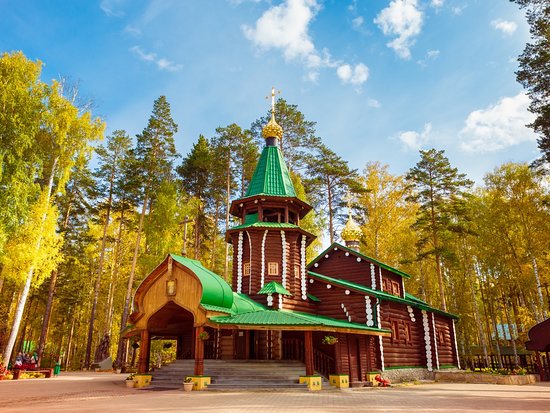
534, 73
440, 191
154, 156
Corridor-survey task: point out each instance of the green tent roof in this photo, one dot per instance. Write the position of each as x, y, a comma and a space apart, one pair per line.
215, 291
274, 287
271, 176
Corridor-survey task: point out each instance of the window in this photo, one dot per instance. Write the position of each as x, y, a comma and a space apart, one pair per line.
273, 268
395, 289
385, 284
246, 269
394, 331
408, 335
296, 271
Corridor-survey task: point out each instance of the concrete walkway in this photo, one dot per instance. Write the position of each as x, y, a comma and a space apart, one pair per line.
107, 392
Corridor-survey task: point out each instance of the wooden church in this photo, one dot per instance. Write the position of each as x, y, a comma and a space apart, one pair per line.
344, 315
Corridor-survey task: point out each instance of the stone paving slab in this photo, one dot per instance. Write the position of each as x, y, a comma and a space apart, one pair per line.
107, 392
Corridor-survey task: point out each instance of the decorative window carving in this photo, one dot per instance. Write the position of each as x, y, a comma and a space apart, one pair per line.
407, 335
395, 288
385, 285
296, 271
441, 337
394, 331
273, 268
246, 269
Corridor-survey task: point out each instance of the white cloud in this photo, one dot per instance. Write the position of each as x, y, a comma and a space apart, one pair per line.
373, 103
403, 19
286, 27
357, 22
162, 63
499, 126
457, 10
112, 7
415, 140
132, 30
436, 4
506, 27
353, 75
430, 55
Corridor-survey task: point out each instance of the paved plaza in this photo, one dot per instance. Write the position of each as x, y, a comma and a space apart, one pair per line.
107, 392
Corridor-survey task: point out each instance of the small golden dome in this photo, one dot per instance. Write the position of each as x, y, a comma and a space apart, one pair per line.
351, 231
272, 129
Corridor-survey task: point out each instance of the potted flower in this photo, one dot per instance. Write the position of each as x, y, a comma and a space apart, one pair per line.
130, 381
188, 384
329, 340
203, 335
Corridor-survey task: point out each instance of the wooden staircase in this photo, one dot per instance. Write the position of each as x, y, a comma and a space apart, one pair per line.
234, 374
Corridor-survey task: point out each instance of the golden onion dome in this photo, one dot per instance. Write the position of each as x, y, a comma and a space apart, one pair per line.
272, 129
351, 231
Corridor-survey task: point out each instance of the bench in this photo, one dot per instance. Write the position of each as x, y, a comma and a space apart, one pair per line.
46, 372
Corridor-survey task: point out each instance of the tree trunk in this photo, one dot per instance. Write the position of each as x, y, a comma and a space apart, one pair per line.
480, 333
69, 344
125, 311
331, 224
23, 300
511, 331
99, 274
227, 207
47, 316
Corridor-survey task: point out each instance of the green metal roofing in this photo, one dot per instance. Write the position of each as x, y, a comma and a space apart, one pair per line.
286, 318
215, 291
313, 298
271, 176
244, 304
274, 287
278, 225
363, 256
409, 300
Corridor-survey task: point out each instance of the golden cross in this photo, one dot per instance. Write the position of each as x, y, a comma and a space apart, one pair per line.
348, 198
273, 94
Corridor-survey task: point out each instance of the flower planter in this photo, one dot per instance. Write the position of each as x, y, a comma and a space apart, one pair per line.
188, 386
130, 384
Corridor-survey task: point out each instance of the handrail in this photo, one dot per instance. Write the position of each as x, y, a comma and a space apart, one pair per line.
293, 349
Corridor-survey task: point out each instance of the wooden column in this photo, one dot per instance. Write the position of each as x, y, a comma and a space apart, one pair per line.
144, 352
308, 347
199, 352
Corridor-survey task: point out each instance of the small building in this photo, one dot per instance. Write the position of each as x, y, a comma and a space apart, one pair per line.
343, 313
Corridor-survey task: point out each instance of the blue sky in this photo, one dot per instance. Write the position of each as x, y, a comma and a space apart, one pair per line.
381, 78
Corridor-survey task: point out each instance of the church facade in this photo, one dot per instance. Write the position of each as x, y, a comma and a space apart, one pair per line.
342, 314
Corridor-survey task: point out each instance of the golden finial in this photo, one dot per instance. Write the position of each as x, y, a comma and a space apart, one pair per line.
272, 129
351, 231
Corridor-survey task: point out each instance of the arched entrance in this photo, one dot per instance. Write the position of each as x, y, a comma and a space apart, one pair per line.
173, 322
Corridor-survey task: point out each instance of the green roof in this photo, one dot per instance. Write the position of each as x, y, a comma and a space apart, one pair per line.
241, 304
279, 225
274, 287
215, 291
363, 256
409, 300
271, 176
286, 318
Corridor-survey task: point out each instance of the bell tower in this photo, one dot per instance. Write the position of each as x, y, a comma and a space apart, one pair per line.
269, 246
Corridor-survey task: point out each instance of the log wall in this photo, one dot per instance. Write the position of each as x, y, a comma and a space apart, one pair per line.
398, 351
445, 341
